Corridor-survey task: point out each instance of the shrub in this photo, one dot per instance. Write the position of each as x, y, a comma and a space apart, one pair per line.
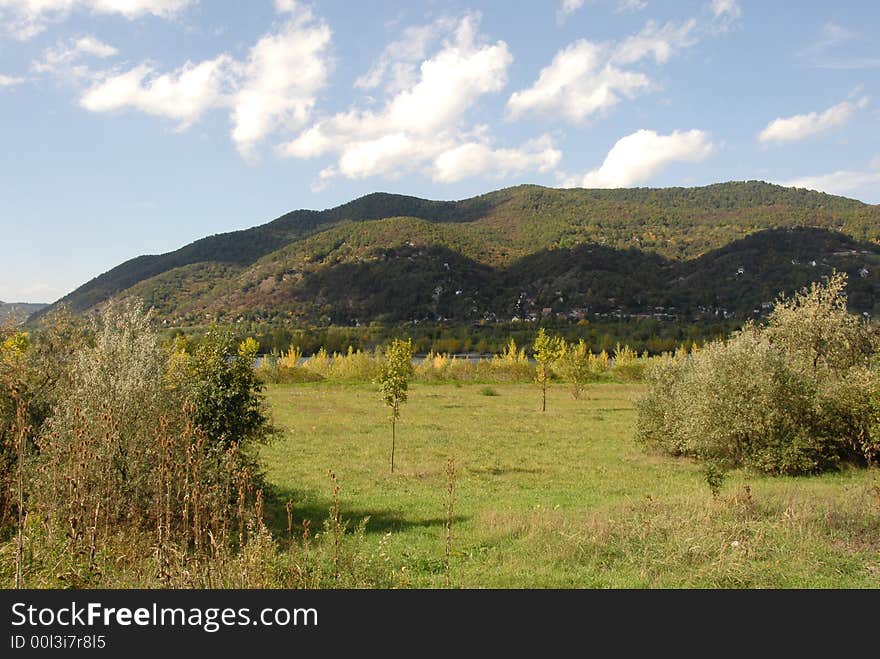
796, 396
576, 366
219, 381
141, 475
284, 370
127, 457
100, 439
627, 365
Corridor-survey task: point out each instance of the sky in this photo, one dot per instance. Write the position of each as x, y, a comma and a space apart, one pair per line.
132, 127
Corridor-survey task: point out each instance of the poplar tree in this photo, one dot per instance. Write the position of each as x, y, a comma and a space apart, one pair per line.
394, 382
548, 350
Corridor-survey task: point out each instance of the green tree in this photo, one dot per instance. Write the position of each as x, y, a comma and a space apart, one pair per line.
220, 382
394, 381
576, 366
815, 325
548, 350
799, 395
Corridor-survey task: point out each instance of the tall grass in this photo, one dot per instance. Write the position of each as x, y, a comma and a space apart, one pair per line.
184, 527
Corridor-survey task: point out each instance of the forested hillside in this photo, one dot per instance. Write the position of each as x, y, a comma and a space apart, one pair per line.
17, 312
522, 252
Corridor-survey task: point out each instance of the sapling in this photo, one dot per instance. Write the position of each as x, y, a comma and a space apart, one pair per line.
548, 350
394, 382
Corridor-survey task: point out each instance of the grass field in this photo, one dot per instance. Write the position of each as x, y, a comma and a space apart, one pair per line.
564, 499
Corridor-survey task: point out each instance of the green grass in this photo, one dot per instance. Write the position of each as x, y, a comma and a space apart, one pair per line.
561, 499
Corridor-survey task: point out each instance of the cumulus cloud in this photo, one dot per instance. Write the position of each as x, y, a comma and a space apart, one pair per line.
841, 182
25, 19
184, 94
10, 81
578, 82
398, 65
659, 42
63, 59
285, 6
587, 77
801, 126
638, 157
479, 159
281, 79
275, 87
422, 126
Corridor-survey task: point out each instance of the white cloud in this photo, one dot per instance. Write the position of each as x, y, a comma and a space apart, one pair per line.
281, 79
422, 126
631, 5
638, 157
567, 7
10, 81
801, 126
274, 88
586, 77
479, 159
27, 18
659, 41
841, 48
285, 6
841, 182
387, 155
726, 8
92, 46
184, 94
726, 15
62, 59
397, 66
577, 83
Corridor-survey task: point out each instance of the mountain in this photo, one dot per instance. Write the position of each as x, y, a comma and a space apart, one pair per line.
720, 249
18, 312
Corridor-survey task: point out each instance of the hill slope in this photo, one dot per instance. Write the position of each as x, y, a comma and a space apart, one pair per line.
513, 252
18, 312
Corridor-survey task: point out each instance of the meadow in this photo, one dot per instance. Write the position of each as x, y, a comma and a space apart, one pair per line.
561, 499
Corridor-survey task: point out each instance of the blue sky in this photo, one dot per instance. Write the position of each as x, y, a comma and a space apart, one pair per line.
131, 127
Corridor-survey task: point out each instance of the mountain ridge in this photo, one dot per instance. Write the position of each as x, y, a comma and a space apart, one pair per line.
19, 311
494, 230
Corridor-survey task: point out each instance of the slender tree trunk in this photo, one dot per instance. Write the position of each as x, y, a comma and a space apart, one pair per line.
392, 444
19, 544
544, 391
450, 512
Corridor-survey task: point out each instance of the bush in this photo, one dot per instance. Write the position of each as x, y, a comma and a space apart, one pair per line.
627, 364
576, 366
219, 381
796, 396
139, 472
136, 425
285, 369
34, 369
134, 447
